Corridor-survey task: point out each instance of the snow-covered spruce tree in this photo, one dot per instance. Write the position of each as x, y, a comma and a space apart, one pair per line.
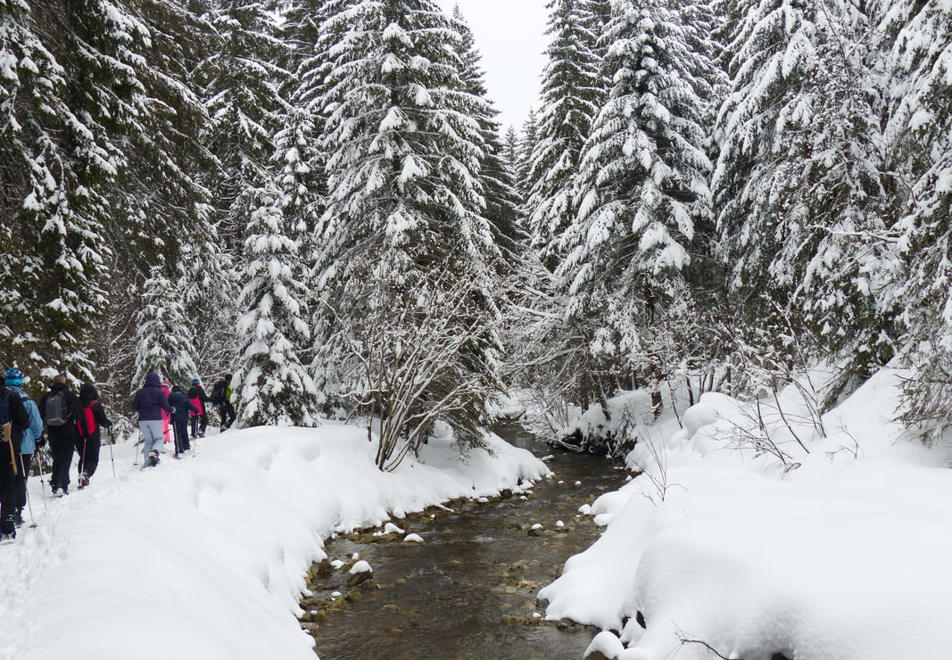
797, 185
404, 229
163, 335
919, 64
528, 136
642, 183
272, 387
503, 200
572, 93
241, 86
102, 102
31, 100
161, 210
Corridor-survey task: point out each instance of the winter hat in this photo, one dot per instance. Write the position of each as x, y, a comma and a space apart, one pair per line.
196, 381
13, 377
176, 388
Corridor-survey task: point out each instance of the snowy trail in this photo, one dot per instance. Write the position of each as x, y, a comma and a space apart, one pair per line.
205, 557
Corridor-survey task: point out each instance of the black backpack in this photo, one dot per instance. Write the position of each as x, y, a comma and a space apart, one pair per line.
218, 392
6, 419
57, 412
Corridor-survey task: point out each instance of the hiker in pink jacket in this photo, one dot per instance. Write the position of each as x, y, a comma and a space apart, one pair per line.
166, 390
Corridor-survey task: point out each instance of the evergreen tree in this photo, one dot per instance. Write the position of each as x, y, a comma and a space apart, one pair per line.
241, 86
918, 41
271, 385
98, 51
642, 182
162, 332
406, 202
797, 180
502, 199
572, 94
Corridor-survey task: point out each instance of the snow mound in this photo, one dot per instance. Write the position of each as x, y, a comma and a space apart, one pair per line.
360, 567
838, 549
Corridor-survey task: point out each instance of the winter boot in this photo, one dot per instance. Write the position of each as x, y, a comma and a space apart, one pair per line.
83, 481
153, 458
8, 537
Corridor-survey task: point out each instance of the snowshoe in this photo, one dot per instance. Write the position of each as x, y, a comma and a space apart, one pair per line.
59, 492
83, 481
6, 539
153, 459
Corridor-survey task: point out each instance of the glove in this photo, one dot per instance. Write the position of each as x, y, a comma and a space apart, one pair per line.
40, 442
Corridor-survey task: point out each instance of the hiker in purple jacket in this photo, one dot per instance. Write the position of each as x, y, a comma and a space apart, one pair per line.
150, 402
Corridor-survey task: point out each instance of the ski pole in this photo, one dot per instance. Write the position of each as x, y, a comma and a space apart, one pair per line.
26, 491
112, 458
136, 448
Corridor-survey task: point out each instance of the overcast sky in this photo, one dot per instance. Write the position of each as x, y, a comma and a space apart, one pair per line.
511, 36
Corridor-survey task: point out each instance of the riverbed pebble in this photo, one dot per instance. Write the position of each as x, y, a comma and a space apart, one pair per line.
578, 483
559, 523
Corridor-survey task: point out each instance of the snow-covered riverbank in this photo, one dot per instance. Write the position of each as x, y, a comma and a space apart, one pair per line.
842, 558
205, 557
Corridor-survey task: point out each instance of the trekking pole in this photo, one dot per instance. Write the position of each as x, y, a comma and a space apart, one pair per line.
26, 490
39, 462
136, 448
112, 458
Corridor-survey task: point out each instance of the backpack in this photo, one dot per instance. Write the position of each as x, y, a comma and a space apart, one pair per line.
87, 426
6, 419
56, 411
218, 392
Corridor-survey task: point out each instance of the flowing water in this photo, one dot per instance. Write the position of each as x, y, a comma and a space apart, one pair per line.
469, 591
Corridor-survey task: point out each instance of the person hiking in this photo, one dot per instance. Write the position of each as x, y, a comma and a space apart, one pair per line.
221, 397
60, 409
150, 402
166, 417
92, 418
199, 399
183, 407
13, 420
30, 441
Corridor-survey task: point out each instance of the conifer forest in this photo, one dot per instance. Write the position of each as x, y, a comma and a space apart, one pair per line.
317, 196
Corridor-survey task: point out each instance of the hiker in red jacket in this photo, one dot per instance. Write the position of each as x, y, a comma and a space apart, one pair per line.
91, 418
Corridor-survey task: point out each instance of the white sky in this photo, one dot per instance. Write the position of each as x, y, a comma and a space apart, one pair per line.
511, 36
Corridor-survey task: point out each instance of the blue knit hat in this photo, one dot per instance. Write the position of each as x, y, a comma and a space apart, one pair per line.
13, 377
196, 381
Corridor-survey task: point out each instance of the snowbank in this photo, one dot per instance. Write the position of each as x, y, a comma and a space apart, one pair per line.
745, 542
206, 557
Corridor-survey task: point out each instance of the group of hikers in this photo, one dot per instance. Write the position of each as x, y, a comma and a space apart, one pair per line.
167, 415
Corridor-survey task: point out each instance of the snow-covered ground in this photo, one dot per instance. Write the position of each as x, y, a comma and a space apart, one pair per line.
206, 557
720, 548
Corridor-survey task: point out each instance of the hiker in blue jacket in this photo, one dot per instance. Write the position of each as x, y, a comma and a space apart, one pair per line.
150, 402
31, 439
183, 407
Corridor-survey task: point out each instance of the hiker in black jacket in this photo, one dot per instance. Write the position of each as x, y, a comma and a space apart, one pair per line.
13, 420
60, 410
91, 418
199, 399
